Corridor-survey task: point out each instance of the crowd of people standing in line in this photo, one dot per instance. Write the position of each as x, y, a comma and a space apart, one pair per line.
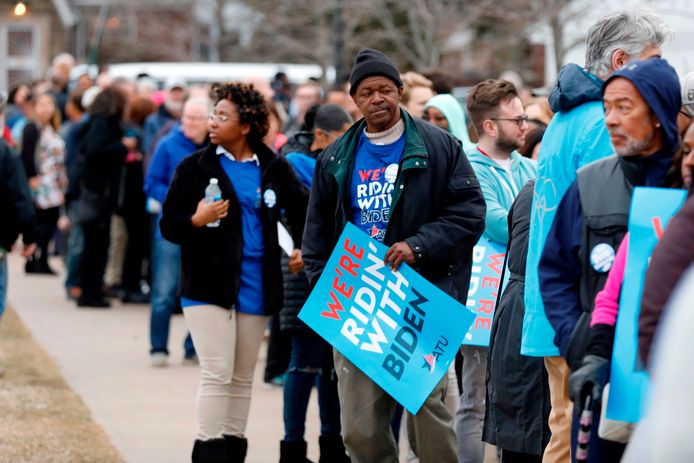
124, 178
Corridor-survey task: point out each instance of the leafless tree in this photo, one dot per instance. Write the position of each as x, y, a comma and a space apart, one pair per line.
557, 14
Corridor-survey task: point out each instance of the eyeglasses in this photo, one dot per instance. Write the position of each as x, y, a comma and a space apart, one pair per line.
219, 118
518, 120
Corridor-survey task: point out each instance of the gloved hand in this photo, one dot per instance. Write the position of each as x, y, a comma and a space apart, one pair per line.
590, 378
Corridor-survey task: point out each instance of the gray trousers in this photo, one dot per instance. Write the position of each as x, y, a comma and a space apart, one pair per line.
469, 418
366, 411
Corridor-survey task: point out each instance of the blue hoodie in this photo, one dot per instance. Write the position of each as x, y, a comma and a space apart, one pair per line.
560, 267
455, 116
576, 136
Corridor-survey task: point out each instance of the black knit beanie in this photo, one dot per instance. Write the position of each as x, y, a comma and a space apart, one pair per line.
371, 63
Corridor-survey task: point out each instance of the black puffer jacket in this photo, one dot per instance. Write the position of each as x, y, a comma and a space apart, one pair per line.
296, 291
517, 405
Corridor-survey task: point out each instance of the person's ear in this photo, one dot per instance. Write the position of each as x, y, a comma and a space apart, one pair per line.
489, 128
619, 59
245, 129
319, 134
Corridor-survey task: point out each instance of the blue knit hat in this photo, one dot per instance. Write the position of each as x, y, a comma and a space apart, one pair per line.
658, 84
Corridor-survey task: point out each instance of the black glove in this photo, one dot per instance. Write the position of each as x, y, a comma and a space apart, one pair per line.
590, 378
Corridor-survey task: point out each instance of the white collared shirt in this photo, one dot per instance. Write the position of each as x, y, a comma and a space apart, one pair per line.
221, 150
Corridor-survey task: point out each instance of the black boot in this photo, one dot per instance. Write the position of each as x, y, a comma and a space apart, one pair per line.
211, 451
293, 452
332, 450
237, 447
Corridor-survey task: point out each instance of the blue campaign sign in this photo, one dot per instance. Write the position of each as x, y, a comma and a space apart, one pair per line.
487, 264
651, 210
396, 327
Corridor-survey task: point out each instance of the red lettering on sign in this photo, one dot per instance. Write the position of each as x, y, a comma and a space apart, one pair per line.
333, 308
483, 323
354, 250
342, 288
658, 227
486, 306
497, 263
490, 282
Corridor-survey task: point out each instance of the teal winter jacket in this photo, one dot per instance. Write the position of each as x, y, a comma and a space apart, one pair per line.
500, 189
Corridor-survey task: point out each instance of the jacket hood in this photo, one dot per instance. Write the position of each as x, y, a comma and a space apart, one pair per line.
300, 143
658, 84
453, 111
574, 87
476, 157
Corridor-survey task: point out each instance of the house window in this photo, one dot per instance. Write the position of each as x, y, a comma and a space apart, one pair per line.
19, 54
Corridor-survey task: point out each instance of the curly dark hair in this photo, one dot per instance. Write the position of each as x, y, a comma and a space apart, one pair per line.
250, 105
109, 103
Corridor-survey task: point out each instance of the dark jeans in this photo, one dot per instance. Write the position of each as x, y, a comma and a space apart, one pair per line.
305, 370
166, 262
46, 224
137, 226
75, 247
599, 450
94, 255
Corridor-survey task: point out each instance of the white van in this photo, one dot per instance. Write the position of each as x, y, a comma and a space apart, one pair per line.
203, 72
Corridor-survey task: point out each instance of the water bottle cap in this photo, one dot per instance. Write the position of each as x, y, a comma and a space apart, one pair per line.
214, 181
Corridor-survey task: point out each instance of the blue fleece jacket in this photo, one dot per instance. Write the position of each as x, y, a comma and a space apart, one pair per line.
500, 189
168, 153
576, 136
560, 267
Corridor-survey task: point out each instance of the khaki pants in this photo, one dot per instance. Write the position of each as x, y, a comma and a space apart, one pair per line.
116, 251
558, 449
366, 411
228, 351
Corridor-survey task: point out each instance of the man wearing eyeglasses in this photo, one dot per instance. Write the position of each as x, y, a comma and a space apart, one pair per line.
186, 137
501, 124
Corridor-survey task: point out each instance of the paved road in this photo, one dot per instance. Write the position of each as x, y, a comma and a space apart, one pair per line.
103, 354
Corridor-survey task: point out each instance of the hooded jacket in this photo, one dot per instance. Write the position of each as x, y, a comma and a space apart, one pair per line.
561, 268
500, 189
455, 116
575, 137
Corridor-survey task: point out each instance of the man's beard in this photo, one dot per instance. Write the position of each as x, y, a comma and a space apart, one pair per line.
506, 144
632, 147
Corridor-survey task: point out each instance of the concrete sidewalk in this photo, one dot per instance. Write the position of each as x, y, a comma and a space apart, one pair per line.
148, 413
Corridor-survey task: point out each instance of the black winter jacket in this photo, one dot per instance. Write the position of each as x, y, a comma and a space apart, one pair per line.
17, 211
517, 406
437, 205
211, 257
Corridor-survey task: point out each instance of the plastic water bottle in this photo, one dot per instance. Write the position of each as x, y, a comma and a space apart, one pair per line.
212, 194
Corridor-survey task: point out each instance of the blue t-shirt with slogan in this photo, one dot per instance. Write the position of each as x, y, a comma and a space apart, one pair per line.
375, 171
